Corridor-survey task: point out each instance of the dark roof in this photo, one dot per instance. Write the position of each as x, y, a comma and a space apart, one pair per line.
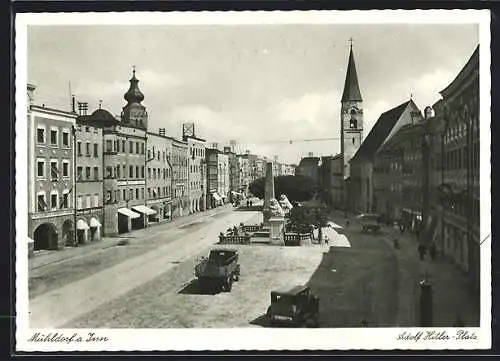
98, 118
380, 131
314, 160
467, 70
351, 86
290, 290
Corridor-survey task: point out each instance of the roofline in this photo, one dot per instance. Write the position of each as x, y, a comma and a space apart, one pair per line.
194, 137
462, 76
53, 111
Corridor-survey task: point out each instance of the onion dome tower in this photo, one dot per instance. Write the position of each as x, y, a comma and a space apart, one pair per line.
134, 113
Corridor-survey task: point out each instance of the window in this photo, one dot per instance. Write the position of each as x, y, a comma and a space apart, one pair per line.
124, 171
108, 197
40, 168
123, 146
137, 147
142, 172
131, 194
54, 172
117, 144
88, 200
154, 173
65, 200
158, 155
79, 148
353, 141
65, 139
137, 171
117, 196
96, 173
79, 171
53, 137
87, 173
65, 169
87, 129
53, 201
142, 193
131, 171
142, 149
109, 145
40, 135
109, 172
137, 193
149, 192
124, 195
131, 147
42, 205
96, 150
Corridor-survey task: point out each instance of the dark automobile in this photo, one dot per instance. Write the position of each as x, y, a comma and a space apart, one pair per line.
294, 306
369, 222
219, 270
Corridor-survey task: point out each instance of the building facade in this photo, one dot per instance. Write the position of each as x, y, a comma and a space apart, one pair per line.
223, 176
460, 112
196, 165
159, 176
51, 216
244, 173
125, 166
211, 160
234, 175
179, 160
89, 178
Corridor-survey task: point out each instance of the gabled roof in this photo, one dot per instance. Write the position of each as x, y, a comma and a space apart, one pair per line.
309, 161
381, 131
467, 70
351, 86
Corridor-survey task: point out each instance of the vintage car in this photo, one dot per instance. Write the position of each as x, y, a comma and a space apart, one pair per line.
369, 221
294, 306
218, 270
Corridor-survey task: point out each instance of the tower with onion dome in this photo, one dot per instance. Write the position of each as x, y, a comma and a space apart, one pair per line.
134, 114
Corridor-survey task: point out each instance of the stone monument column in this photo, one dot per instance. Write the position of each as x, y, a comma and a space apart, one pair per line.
268, 194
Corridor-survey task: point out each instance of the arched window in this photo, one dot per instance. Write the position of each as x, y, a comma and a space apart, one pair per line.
353, 123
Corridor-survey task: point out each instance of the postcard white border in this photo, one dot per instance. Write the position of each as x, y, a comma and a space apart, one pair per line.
251, 338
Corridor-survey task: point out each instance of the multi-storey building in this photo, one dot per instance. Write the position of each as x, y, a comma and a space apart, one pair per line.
289, 169
460, 112
159, 176
196, 167
124, 165
331, 181
259, 170
245, 179
89, 176
51, 217
234, 175
179, 160
223, 176
310, 167
361, 193
213, 197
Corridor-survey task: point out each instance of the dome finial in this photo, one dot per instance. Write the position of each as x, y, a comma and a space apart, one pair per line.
133, 71
351, 40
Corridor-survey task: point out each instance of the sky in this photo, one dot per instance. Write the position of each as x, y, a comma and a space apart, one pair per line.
261, 85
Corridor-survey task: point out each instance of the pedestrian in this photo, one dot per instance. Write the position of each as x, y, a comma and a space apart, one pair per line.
421, 251
251, 203
432, 251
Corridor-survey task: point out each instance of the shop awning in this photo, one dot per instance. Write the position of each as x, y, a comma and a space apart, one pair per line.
94, 223
81, 225
127, 212
217, 197
145, 210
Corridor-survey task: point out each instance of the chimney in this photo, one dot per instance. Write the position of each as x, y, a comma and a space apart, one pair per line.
247, 151
310, 154
215, 145
162, 132
31, 94
227, 149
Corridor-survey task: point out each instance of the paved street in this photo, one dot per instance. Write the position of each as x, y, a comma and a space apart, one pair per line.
149, 283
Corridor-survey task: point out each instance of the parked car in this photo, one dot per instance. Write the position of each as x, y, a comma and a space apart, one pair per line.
370, 222
219, 270
295, 306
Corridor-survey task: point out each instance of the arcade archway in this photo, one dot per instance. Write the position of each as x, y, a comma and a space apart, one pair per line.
45, 237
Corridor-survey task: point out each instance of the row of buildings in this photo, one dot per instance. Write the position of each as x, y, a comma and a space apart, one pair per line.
421, 169
97, 174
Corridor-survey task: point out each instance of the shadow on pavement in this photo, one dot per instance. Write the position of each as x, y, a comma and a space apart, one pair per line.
356, 286
193, 288
249, 209
262, 321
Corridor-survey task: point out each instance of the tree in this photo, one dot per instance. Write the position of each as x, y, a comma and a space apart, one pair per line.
297, 188
304, 219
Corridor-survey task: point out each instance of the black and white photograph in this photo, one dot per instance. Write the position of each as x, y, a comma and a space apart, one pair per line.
253, 181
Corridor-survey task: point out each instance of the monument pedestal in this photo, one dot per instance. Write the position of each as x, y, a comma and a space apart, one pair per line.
277, 232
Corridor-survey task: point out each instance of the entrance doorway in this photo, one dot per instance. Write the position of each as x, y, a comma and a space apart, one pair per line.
68, 232
45, 237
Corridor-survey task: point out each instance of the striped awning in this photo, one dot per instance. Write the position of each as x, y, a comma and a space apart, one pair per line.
82, 225
143, 209
128, 213
94, 223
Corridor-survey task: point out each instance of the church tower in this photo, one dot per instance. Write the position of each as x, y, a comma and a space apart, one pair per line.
134, 113
351, 129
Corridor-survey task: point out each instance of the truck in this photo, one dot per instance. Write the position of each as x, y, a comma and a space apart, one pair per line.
293, 306
219, 270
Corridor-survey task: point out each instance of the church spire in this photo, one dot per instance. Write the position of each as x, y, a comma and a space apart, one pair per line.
351, 86
134, 95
